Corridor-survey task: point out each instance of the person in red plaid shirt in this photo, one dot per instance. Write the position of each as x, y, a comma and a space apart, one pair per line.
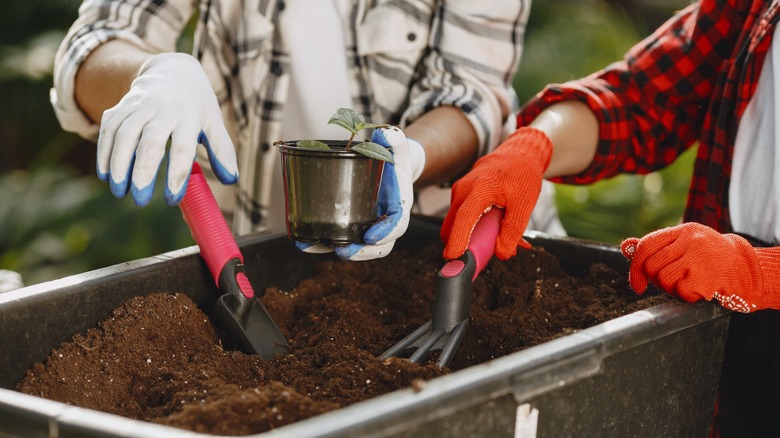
706, 77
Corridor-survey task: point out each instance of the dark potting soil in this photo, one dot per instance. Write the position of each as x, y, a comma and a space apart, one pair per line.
158, 358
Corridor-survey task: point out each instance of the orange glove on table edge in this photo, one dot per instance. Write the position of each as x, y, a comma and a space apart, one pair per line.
694, 262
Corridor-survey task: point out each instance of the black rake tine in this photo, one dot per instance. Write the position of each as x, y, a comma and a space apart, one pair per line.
448, 352
428, 342
404, 343
452, 303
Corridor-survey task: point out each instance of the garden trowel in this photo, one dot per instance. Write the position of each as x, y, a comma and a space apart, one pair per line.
452, 303
238, 310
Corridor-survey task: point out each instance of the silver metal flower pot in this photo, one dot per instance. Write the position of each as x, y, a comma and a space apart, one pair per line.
330, 195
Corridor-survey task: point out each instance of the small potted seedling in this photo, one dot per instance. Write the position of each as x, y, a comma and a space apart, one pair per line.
331, 186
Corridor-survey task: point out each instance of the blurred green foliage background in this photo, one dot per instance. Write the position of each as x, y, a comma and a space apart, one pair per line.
57, 219
571, 39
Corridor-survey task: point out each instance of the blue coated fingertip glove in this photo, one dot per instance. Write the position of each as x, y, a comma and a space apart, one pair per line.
395, 199
170, 99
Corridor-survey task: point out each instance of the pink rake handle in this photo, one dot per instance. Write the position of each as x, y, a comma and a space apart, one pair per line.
210, 230
482, 244
483, 238
452, 303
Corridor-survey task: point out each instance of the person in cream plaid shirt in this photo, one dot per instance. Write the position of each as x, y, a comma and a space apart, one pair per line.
263, 71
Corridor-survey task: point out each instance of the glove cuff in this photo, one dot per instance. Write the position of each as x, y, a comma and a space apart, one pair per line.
416, 158
528, 144
155, 60
769, 263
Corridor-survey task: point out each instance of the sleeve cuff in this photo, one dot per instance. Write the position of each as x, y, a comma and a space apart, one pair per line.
73, 120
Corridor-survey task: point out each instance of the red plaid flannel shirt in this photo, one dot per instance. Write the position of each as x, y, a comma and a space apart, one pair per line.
688, 82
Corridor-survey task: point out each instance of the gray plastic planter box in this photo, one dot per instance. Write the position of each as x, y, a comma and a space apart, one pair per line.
651, 373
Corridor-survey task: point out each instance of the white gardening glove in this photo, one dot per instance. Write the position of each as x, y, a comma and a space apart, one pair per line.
395, 199
170, 99
10, 280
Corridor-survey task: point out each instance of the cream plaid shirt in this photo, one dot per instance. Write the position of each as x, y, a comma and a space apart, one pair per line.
405, 57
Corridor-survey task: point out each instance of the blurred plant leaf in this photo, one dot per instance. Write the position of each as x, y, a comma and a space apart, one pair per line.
34, 60
569, 39
59, 223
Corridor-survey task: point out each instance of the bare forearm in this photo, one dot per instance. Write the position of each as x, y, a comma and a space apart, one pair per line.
105, 76
574, 132
450, 144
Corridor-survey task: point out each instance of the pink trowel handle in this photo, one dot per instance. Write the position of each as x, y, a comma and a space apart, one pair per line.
210, 230
451, 305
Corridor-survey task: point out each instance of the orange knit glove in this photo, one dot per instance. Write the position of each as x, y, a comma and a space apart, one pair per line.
510, 177
695, 262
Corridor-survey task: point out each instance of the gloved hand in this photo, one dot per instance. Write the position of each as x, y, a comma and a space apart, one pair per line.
695, 262
170, 99
510, 177
10, 280
394, 200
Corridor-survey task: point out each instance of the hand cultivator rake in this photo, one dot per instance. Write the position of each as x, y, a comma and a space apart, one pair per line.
452, 303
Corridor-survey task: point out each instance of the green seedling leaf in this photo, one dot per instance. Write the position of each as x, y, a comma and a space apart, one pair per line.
348, 119
312, 144
375, 151
352, 121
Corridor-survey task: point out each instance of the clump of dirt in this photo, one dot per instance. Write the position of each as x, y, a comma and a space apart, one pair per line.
158, 358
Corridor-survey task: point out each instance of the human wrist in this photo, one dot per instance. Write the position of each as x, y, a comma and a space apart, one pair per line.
527, 145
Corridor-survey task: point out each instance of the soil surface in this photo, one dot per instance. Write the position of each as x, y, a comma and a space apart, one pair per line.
158, 358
